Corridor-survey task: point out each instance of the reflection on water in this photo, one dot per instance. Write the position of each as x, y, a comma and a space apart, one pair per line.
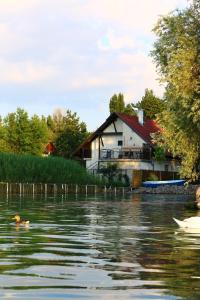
98, 248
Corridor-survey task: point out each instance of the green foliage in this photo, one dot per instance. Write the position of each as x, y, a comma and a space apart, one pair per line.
177, 56
24, 135
152, 177
151, 104
113, 175
21, 134
110, 171
39, 135
33, 169
159, 154
117, 104
129, 110
4, 146
69, 135
123, 179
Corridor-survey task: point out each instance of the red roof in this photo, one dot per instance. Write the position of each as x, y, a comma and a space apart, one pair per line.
50, 148
145, 130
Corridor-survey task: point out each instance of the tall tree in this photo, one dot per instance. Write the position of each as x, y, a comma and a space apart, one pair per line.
117, 104
151, 104
177, 56
39, 135
71, 133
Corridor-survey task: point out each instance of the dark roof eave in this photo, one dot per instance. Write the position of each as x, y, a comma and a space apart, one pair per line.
97, 132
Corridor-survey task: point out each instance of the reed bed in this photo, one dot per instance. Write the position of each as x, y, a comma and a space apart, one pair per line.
32, 169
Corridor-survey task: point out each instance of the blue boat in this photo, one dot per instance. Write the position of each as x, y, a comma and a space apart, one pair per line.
155, 184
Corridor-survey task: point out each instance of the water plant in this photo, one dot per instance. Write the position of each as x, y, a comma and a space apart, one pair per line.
29, 168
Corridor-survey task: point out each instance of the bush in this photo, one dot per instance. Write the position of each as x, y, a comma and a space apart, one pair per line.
152, 177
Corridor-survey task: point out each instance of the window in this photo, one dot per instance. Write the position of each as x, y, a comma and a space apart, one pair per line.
120, 143
166, 168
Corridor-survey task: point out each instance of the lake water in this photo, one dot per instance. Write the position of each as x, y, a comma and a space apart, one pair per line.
98, 248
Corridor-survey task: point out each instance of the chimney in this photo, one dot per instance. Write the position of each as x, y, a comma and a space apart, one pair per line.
140, 114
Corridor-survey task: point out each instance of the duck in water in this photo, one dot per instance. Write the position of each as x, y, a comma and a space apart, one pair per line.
19, 221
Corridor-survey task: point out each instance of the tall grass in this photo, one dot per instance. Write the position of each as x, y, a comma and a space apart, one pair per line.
27, 168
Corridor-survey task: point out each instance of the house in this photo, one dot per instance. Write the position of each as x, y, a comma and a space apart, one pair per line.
125, 140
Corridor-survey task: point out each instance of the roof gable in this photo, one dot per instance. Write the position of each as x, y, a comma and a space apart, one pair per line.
145, 130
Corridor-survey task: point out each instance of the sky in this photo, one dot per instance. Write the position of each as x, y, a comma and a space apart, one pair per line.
75, 54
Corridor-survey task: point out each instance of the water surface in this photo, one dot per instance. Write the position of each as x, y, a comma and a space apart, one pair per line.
98, 248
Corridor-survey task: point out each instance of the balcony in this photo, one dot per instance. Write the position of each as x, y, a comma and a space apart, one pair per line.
126, 153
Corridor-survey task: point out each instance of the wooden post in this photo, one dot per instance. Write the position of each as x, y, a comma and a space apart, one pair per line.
65, 188
45, 189
20, 189
123, 190
62, 188
86, 189
55, 189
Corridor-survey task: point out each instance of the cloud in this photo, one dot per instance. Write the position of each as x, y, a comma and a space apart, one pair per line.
25, 72
138, 14
113, 41
13, 6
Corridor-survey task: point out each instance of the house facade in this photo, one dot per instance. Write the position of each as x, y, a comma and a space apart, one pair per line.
125, 140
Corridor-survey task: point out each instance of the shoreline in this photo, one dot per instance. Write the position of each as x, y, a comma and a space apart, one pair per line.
168, 189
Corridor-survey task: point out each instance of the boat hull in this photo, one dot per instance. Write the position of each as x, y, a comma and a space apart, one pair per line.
155, 184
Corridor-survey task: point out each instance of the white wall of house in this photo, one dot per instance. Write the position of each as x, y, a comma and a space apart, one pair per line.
118, 126
127, 166
131, 139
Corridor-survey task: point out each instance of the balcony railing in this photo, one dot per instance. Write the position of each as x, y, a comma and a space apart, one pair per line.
126, 153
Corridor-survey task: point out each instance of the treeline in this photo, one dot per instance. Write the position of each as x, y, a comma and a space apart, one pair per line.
22, 134
150, 104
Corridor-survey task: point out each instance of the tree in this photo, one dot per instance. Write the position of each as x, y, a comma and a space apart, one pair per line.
117, 104
4, 146
71, 133
129, 110
159, 154
18, 131
177, 56
23, 135
151, 104
39, 136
